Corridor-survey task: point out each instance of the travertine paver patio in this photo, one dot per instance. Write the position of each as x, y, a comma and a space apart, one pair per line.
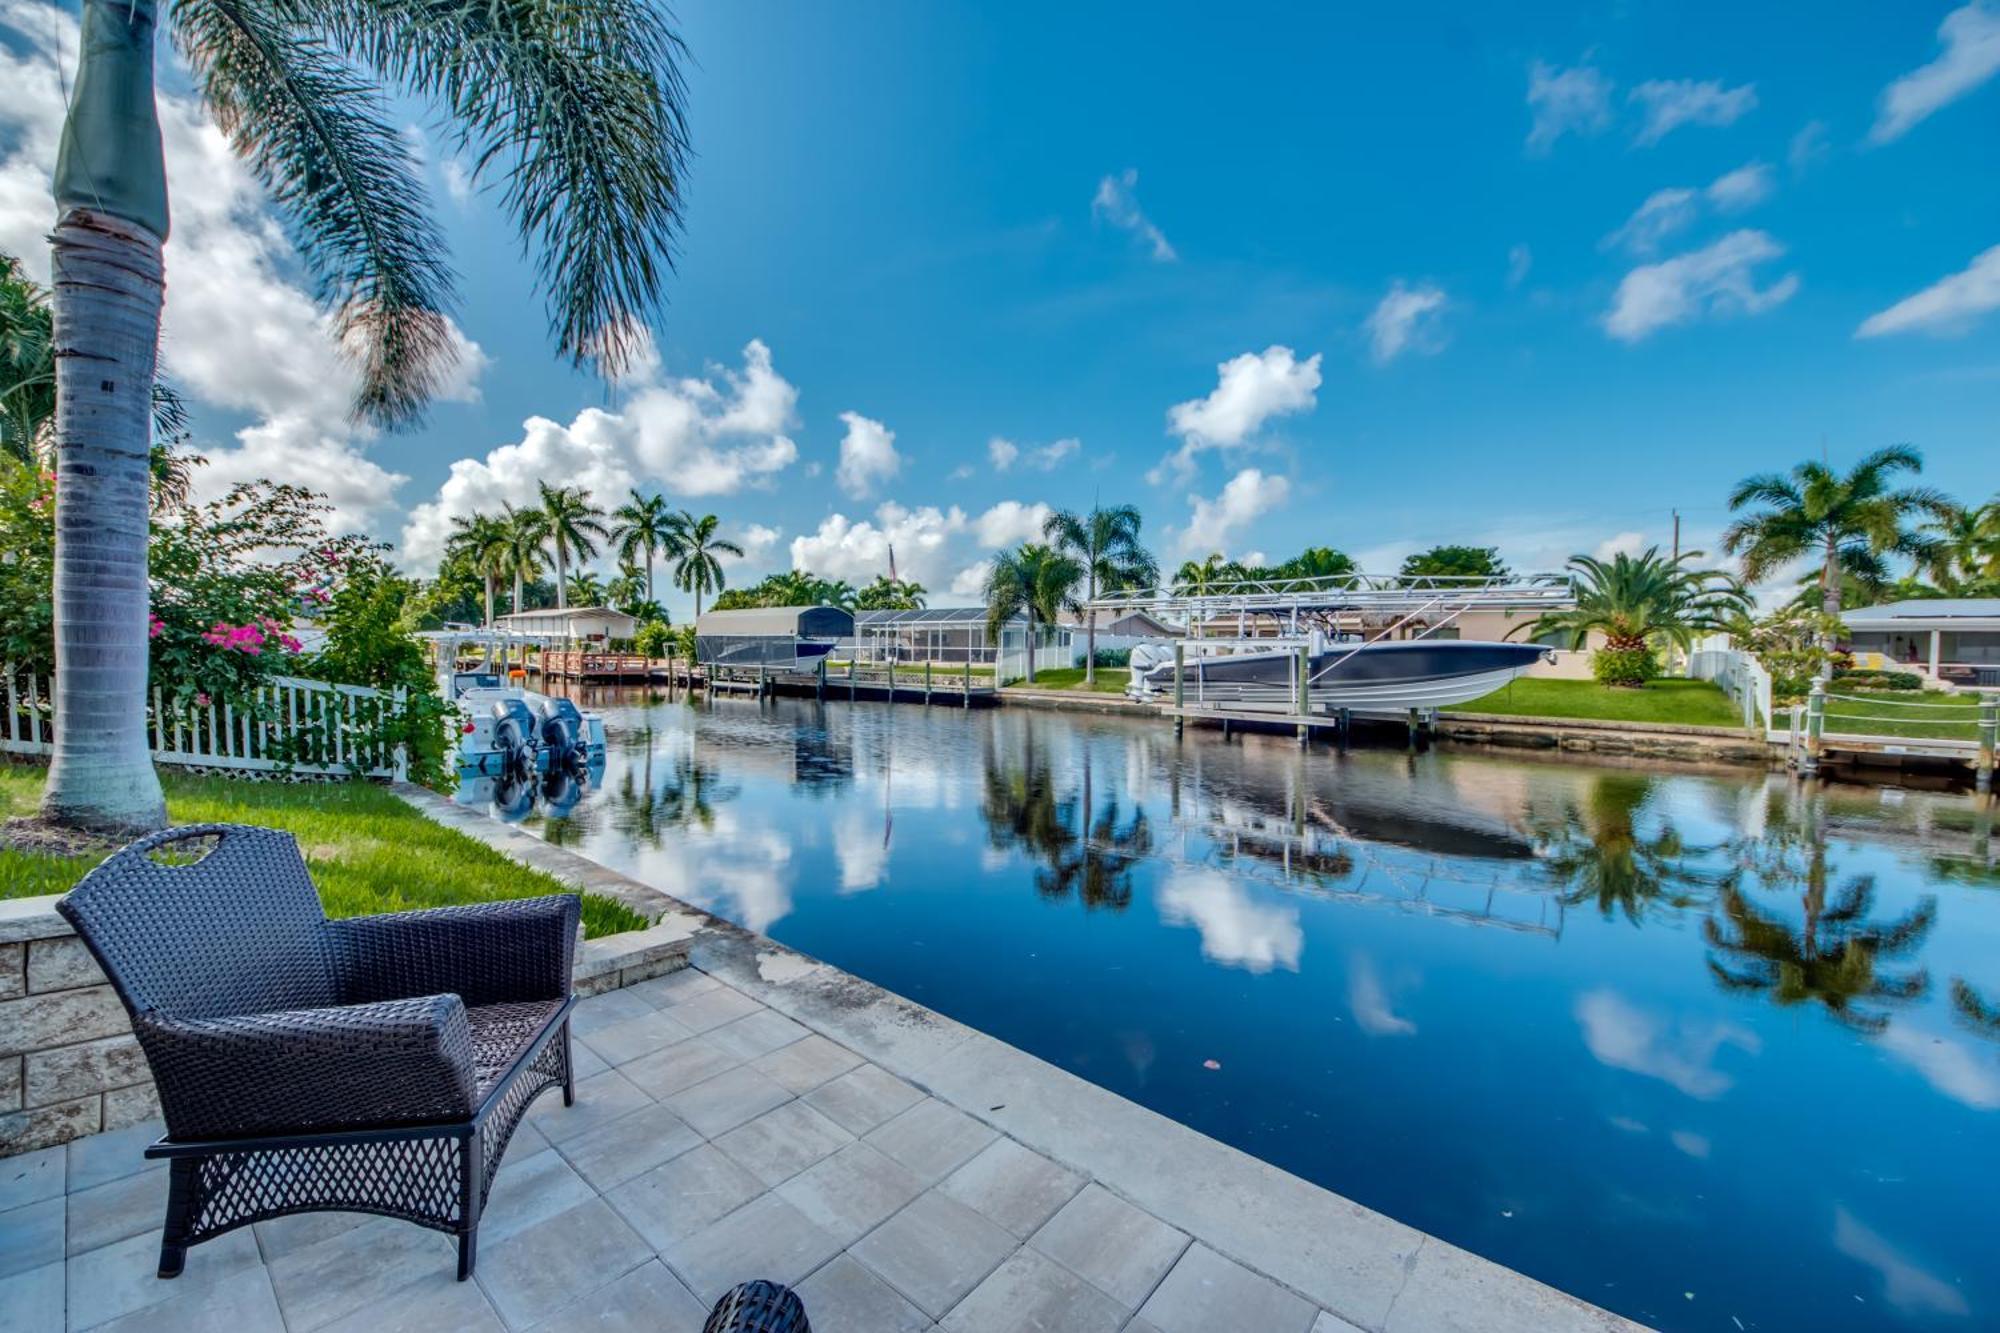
714, 1139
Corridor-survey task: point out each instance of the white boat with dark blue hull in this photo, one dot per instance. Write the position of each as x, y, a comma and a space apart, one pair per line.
1384, 677
507, 728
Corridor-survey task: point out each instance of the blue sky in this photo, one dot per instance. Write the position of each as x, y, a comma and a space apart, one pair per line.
1409, 232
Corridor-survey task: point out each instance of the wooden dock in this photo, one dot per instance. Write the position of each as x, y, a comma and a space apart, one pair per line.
610, 668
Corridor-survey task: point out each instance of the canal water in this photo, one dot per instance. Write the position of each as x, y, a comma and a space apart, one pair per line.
1715, 1050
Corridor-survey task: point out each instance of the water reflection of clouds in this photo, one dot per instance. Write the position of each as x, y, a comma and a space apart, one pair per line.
1234, 929
1677, 1052
1948, 1064
1905, 1285
1370, 1002
861, 847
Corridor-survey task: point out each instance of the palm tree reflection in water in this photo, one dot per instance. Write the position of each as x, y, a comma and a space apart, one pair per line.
1085, 851
1600, 855
685, 796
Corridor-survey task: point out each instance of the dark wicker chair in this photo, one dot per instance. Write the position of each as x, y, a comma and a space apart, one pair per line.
375, 1064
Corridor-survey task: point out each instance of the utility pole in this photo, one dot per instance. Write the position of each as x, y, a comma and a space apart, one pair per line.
1677, 534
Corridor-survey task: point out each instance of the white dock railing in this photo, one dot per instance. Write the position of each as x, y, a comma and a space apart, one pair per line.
1744, 680
288, 724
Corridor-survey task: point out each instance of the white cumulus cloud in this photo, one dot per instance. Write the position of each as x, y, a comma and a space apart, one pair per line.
1009, 523
1247, 497
1566, 101
1947, 306
1117, 202
1250, 390
1668, 104
1716, 281
1405, 319
1234, 929
1970, 36
867, 455
1667, 212
1004, 453
712, 435
858, 549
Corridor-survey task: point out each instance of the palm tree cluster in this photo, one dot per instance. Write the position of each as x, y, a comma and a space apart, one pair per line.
567, 524
1104, 546
1638, 603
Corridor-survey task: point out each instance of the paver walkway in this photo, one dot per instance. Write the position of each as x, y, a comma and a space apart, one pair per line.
714, 1139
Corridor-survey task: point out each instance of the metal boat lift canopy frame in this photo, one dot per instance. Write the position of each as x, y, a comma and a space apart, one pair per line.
1393, 596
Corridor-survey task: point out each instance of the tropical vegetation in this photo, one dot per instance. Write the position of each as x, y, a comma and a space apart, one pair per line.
1104, 544
1033, 580
1639, 603
1478, 562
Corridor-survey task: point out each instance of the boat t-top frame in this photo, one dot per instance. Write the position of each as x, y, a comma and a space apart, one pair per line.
1332, 601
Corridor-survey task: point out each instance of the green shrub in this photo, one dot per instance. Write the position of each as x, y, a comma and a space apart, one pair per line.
652, 639
1880, 680
1624, 666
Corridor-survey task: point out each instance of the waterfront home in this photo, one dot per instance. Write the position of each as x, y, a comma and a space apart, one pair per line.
576, 623
1951, 640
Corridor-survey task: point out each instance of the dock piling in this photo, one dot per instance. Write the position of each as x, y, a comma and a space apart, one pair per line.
1815, 728
1180, 686
1301, 679
1989, 740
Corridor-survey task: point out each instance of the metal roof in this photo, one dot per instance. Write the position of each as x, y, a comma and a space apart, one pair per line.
932, 617
1926, 608
779, 621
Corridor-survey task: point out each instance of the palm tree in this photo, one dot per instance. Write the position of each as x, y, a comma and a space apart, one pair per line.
1965, 555
887, 594
1209, 575
585, 589
1105, 542
1638, 601
573, 524
645, 525
527, 538
1035, 580
696, 568
1849, 524
577, 110
1316, 562
486, 543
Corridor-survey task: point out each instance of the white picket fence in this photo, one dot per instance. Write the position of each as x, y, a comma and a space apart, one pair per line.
1743, 679
290, 725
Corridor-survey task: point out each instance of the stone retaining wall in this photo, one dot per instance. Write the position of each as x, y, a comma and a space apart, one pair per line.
70, 1066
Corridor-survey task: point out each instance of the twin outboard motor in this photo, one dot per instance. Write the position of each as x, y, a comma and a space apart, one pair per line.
562, 734
516, 735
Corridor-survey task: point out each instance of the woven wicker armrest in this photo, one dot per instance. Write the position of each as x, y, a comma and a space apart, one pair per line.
505, 952
298, 1070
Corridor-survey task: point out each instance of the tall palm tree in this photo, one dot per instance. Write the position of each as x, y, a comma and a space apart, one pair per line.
1636, 602
1105, 542
887, 594
645, 525
483, 540
1034, 579
586, 589
1849, 524
576, 110
1965, 555
573, 525
696, 568
527, 538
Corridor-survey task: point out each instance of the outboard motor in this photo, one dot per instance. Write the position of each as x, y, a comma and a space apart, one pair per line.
562, 788
514, 795
515, 735
562, 734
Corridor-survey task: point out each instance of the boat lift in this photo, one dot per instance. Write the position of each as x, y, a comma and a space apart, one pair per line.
1338, 603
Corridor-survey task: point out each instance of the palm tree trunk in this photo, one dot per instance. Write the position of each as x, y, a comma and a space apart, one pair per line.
1090, 636
109, 289
1031, 644
489, 599
517, 590
1829, 604
562, 574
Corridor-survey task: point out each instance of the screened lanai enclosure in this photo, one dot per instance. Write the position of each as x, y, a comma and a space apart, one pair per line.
956, 635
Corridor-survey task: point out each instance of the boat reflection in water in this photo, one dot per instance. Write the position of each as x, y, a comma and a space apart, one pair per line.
513, 796
1712, 1049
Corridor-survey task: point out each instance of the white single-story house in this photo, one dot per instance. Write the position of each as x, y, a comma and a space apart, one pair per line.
580, 623
1953, 640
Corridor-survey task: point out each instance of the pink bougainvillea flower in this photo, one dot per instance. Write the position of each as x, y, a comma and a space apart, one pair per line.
202, 700
155, 627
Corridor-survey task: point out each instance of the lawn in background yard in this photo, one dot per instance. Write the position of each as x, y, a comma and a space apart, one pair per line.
1937, 716
1110, 680
1679, 702
368, 851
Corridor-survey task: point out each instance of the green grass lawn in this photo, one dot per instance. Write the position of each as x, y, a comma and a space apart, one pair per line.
1886, 713
368, 851
1110, 680
1680, 702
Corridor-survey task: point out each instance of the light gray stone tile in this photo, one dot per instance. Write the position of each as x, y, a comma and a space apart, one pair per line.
1206, 1291
435, 1303
32, 1302
1119, 1249
1329, 1322
114, 1280
332, 1279
241, 1302
529, 1191
31, 1177
807, 1063
102, 1157
117, 1209
1452, 1291
1012, 1185
286, 1235
757, 1034
863, 1098
844, 1297
680, 1197
679, 1067
584, 1062
629, 1146
783, 1142
1033, 1294
599, 1101
683, 984
727, 1100
932, 1139
649, 1299
628, 1040
542, 1268
527, 1140
934, 1251
765, 1238
31, 1236
603, 1011
712, 1008
852, 1192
